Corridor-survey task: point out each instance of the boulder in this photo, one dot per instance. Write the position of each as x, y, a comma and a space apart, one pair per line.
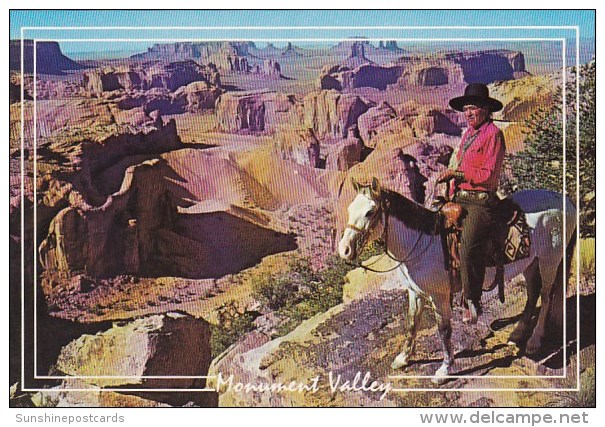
332, 114
89, 396
129, 353
360, 283
343, 155
341, 341
372, 119
432, 153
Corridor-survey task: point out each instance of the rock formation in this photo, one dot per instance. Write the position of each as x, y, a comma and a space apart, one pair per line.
159, 99
118, 237
174, 75
201, 51
50, 89
370, 121
330, 113
271, 68
197, 96
299, 146
343, 155
413, 71
90, 396
365, 75
241, 111
170, 76
291, 51
434, 121
357, 55
49, 58
255, 111
390, 45
14, 92
489, 65
238, 63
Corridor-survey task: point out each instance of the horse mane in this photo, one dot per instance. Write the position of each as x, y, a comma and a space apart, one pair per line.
412, 214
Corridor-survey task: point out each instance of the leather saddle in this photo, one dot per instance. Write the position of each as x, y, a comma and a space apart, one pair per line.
510, 240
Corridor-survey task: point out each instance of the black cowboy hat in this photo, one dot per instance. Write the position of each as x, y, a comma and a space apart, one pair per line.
476, 94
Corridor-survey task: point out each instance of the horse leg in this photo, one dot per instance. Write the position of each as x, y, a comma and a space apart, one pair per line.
414, 311
556, 310
548, 272
443, 315
533, 282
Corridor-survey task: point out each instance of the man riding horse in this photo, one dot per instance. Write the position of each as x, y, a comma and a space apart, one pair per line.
475, 172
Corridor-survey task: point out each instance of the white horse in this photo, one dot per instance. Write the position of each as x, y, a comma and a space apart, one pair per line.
413, 239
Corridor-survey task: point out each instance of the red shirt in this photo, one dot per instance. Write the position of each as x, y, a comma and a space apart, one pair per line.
482, 161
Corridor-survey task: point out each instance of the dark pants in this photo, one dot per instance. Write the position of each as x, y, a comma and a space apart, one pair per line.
479, 226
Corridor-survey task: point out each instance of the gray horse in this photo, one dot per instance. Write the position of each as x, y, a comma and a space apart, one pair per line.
413, 238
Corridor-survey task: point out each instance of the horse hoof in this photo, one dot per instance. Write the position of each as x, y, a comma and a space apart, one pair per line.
399, 362
440, 376
532, 347
517, 336
438, 380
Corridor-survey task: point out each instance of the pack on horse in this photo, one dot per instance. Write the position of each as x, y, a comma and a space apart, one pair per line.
412, 235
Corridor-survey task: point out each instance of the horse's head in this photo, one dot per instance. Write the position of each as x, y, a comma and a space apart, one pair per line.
364, 214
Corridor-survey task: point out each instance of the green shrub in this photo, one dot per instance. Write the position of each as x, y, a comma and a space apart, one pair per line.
232, 324
540, 163
296, 294
299, 293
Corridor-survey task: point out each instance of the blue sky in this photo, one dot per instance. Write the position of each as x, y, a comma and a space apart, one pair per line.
259, 18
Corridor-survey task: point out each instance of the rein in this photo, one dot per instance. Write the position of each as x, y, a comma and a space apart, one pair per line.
385, 236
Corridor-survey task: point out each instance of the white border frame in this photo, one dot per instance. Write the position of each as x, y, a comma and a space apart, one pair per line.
272, 39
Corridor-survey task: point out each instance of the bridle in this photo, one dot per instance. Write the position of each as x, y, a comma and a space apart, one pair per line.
383, 208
